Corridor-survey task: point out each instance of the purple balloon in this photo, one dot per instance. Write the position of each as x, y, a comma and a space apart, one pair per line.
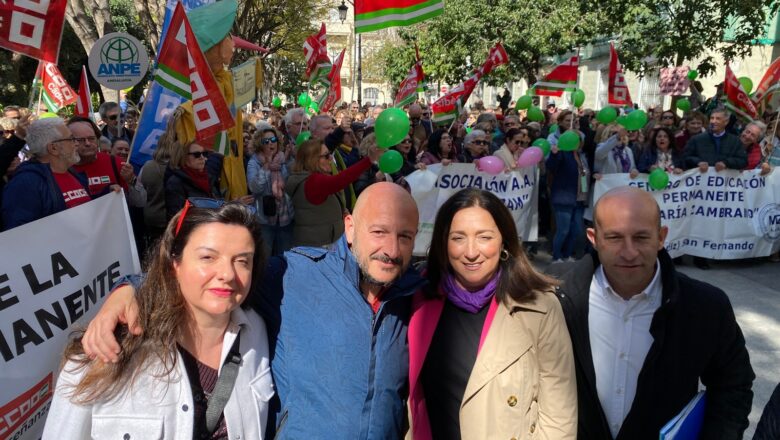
530, 157
491, 165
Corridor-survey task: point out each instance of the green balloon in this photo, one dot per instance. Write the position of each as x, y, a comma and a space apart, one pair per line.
569, 141
390, 162
535, 114
468, 130
304, 99
658, 179
693, 74
314, 107
606, 115
391, 127
578, 97
747, 84
636, 120
553, 128
47, 115
543, 145
683, 104
302, 137
277, 102
524, 102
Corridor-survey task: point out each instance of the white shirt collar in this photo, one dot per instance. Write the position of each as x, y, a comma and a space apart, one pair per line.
651, 291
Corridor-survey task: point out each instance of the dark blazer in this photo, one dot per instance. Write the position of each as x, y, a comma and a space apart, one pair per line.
696, 337
702, 148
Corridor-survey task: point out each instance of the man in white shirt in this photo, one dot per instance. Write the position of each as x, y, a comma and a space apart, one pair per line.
644, 336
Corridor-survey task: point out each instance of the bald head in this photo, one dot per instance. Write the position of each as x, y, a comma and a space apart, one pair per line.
386, 196
639, 201
415, 111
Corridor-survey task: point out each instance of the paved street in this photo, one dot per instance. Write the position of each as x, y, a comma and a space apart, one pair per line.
754, 289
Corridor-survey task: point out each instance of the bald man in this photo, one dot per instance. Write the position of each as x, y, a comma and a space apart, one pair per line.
644, 335
337, 321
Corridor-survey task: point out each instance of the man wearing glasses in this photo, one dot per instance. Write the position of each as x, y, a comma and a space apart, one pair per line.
111, 113
46, 184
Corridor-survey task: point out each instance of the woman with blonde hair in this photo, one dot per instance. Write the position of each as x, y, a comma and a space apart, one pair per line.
176, 379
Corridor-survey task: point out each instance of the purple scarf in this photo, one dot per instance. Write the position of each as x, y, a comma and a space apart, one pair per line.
621, 156
471, 302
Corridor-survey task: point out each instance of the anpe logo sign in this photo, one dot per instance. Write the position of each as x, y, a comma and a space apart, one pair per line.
118, 61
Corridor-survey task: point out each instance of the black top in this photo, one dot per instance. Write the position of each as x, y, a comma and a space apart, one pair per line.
448, 366
203, 379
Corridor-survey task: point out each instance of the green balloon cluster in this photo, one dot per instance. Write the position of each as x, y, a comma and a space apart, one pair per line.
391, 127
535, 114
607, 115
543, 145
390, 162
277, 102
524, 102
747, 84
569, 141
578, 97
658, 179
684, 104
636, 120
304, 99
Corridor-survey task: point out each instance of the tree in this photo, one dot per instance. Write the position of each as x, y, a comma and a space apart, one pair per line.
673, 32
455, 43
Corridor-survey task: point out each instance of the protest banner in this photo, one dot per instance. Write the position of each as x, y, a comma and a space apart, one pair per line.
720, 215
53, 281
244, 90
433, 186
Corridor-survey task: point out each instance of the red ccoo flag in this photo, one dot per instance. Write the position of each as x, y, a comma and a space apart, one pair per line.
617, 90
738, 100
83, 98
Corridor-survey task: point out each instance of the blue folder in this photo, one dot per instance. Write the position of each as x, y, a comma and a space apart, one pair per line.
687, 424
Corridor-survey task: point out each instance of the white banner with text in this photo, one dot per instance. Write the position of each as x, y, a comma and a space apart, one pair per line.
54, 275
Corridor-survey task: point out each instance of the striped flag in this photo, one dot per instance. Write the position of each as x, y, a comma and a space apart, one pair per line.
562, 78
769, 84
315, 51
372, 15
412, 84
447, 108
738, 100
83, 99
334, 89
617, 90
182, 68
55, 91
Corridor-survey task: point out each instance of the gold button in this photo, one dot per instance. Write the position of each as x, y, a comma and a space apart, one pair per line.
512, 401
533, 427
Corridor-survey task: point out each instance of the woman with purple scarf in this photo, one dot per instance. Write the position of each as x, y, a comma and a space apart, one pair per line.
489, 350
614, 154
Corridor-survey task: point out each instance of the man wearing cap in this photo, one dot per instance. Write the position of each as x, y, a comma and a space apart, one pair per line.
211, 25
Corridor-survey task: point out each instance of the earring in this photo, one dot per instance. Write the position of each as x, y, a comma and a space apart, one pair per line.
504, 255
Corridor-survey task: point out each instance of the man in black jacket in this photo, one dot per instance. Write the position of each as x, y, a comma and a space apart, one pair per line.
644, 335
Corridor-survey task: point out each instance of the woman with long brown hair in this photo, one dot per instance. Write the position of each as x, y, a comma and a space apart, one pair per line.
489, 350
176, 379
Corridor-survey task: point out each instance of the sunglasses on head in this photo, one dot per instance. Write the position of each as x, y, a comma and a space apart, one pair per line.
269, 140
199, 154
204, 203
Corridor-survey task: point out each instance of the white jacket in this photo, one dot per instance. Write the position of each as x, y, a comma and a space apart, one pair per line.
154, 408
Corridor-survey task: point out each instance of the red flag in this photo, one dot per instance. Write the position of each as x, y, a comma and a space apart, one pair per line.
182, 67
83, 99
769, 83
446, 107
738, 99
315, 50
56, 91
334, 92
407, 91
32, 28
563, 77
617, 91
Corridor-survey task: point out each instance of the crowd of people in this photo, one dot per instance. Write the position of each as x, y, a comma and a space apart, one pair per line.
339, 333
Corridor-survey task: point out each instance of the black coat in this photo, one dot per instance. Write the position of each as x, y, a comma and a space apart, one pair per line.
768, 427
696, 337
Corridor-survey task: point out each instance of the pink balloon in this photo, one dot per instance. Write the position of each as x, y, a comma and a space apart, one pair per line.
491, 165
530, 157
